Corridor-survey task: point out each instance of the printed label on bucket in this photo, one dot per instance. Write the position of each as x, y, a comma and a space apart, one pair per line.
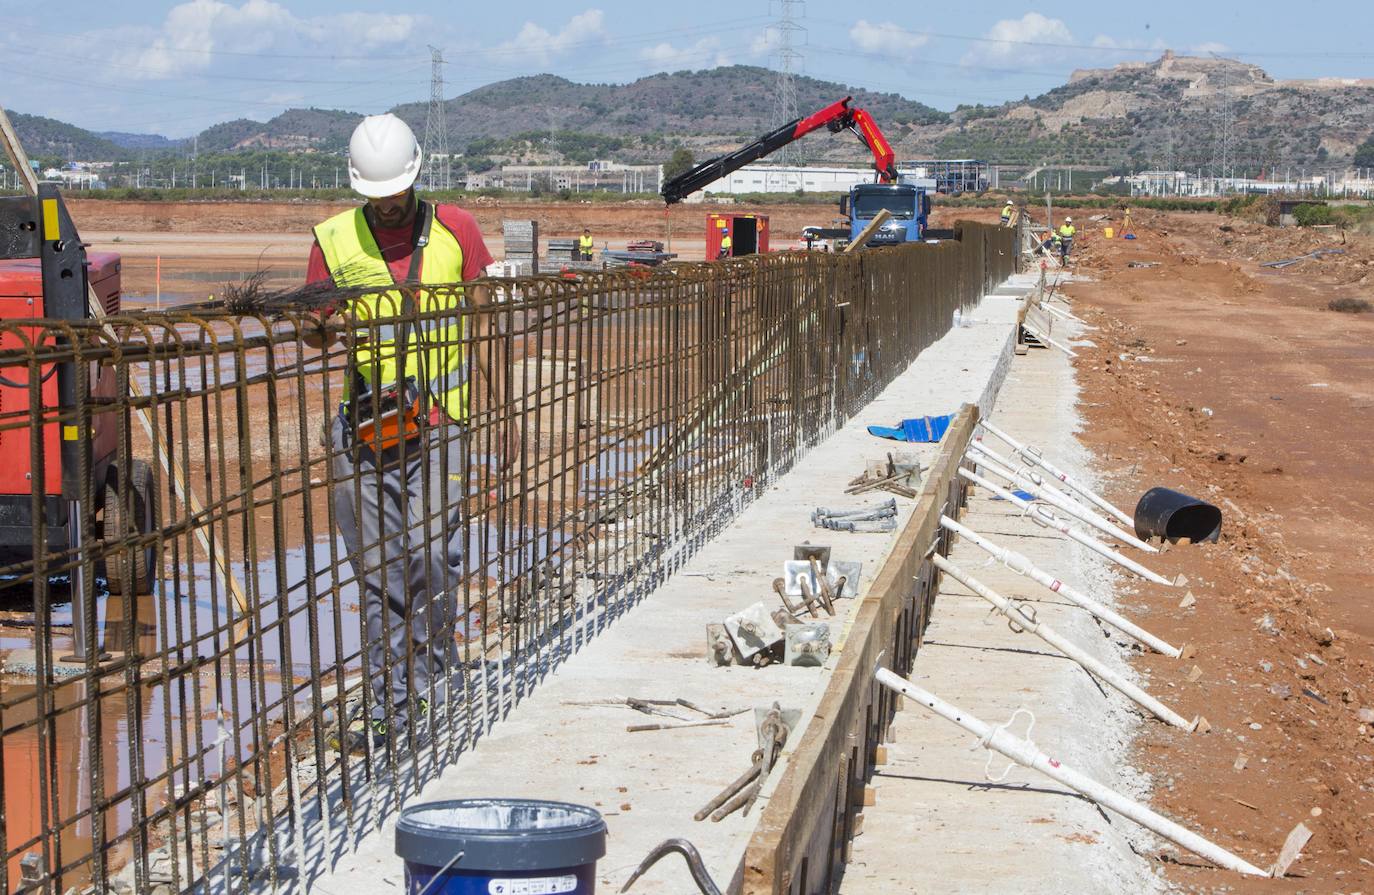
540, 885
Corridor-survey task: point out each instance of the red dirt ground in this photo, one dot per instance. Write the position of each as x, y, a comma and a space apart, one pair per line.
1233, 382
202, 245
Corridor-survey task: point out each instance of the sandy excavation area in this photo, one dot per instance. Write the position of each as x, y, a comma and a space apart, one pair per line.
203, 245
1234, 382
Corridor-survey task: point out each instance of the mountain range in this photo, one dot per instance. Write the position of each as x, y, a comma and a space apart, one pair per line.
1174, 112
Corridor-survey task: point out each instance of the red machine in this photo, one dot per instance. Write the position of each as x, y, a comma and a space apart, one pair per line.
834, 117
21, 295
748, 234
45, 273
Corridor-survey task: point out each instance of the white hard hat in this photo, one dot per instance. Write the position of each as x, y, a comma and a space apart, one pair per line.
1068, 220
383, 156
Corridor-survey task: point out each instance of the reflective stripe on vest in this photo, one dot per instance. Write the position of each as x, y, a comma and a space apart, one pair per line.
435, 348
587, 243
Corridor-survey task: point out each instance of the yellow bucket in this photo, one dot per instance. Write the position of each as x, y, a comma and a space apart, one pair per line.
1108, 232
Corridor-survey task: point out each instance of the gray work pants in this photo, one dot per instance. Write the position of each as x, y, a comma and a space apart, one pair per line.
408, 557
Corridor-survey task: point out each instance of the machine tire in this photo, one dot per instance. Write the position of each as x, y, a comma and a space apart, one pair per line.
116, 528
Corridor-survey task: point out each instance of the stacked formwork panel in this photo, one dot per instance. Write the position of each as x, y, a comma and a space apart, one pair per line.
638, 412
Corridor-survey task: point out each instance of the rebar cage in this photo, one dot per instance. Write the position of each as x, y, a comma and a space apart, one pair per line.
614, 422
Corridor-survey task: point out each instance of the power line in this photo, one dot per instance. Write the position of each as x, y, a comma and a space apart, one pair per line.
717, 27
198, 76
1124, 51
215, 102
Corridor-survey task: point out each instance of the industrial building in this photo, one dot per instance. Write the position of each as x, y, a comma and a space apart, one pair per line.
595, 175
952, 176
1353, 183
762, 178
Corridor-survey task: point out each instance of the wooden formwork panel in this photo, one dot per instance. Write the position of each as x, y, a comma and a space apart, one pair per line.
802, 839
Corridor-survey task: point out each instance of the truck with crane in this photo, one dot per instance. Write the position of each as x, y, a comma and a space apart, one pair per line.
908, 204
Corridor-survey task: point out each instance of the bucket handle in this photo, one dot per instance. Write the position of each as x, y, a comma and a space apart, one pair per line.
442, 870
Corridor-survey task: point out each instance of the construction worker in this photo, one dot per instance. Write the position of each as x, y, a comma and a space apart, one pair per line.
727, 246
409, 564
1066, 234
1126, 226
1007, 212
585, 245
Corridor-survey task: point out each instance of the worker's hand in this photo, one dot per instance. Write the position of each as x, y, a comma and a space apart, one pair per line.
510, 444
321, 329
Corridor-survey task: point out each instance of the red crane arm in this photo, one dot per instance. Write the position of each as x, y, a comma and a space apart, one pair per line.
835, 117
884, 159
836, 114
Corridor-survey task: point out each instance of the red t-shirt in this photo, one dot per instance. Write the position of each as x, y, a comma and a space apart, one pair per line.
396, 247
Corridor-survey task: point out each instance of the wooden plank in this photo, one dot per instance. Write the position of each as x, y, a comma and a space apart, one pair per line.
867, 233
797, 825
17, 156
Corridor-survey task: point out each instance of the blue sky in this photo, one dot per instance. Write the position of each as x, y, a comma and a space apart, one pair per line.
176, 68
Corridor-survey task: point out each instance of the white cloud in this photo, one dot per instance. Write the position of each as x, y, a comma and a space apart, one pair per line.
186, 40
364, 30
1104, 42
886, 38
1038, 40
765, 42
539, 45
1016, 41
705, 53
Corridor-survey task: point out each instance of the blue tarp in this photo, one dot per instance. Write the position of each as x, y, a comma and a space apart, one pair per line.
922, 430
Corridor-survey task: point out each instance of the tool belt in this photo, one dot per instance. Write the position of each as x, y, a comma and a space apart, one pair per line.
384, 419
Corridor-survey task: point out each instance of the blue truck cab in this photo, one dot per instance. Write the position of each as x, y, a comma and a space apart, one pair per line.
908, 203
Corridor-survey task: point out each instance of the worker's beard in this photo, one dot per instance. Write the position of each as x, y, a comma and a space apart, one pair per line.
395, 214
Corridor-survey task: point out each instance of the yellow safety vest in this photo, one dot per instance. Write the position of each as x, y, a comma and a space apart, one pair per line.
1006, 213
725, 241
587, 244
1067, 230
435, 351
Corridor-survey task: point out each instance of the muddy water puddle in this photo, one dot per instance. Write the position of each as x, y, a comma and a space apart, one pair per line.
192, 719
209, 704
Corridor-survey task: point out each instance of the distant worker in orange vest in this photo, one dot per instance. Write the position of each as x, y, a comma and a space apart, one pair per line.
727, 247
585, 245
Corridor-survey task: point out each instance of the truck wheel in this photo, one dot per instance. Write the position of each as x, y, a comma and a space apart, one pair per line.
117, 528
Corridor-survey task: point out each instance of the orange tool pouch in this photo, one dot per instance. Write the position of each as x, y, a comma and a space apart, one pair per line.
397, 418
